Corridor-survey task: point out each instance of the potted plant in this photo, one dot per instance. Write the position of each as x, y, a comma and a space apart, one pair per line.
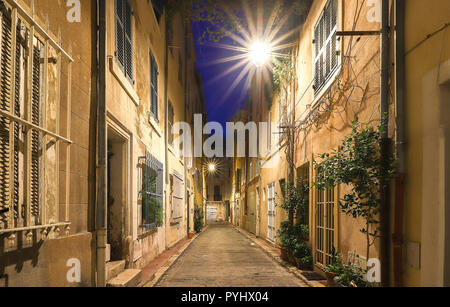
198, 220
285, 235
333, 270
303, 258
351, 276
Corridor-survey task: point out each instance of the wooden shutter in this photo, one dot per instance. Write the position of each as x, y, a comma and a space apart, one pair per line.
120, 34
326, 59
36, 135
128, 41
153, 86
124, 42
5, 104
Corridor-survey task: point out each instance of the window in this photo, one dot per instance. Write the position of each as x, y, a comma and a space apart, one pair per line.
170, 119
217, 194
250, 171
176, 184
153, 87
303, 179
26, 144
124, 38
325, 226
325, 42
238, 180
271, 212
269, 133
152, 193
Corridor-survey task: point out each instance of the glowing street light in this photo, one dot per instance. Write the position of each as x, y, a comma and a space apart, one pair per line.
212, 168
259, 53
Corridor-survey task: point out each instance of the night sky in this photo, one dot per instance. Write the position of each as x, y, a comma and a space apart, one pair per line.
220, 108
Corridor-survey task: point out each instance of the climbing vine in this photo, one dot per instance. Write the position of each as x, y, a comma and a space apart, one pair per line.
356, 163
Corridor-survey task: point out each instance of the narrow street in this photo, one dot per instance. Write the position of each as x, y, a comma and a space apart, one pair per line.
223, 257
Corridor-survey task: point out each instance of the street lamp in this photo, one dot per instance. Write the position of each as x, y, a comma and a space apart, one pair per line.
259, 53
212, 168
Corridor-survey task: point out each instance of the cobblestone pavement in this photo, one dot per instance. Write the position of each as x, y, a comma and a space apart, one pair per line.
223, 257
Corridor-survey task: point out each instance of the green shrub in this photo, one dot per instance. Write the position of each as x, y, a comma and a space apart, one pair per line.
198, 220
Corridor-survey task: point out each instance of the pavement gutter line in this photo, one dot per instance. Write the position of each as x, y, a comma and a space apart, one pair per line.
170, 262
279, 260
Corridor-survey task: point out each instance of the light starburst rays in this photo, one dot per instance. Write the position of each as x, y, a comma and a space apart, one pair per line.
256, 49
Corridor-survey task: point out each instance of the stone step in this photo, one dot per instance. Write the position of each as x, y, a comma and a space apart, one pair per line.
126, 279
114, 268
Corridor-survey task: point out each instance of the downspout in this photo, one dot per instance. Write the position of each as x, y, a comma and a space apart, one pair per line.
186, 100
100, 205
400, 142
166, 108
385, 144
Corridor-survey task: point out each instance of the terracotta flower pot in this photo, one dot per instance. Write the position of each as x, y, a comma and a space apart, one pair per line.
283, 254
291, 259
190, 236
331, 283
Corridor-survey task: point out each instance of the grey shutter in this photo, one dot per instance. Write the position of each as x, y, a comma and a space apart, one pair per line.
153, 86
128, 40
120, 34
5, 103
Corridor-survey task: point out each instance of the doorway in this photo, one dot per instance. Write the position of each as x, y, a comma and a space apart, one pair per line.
116, 194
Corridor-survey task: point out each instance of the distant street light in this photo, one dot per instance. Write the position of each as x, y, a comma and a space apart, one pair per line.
212, 168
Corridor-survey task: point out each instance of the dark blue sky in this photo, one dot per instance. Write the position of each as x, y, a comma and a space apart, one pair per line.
219, 108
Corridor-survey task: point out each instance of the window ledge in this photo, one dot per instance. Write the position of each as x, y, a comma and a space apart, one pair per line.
154, 124
117, 73
327, 86
148, 233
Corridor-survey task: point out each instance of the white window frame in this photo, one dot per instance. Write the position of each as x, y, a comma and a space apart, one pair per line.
271, 212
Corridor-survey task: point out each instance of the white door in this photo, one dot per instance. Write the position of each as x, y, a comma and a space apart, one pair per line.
271, 213
211, 213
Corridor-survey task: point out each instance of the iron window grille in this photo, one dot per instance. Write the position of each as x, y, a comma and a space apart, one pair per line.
152, 193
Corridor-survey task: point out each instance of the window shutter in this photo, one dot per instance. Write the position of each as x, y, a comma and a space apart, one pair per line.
19, 83
5, 103
120, 34
325, 45
153, 86
35, 135
128, 41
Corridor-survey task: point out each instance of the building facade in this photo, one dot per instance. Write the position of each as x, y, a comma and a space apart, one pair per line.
337, 79
90, 176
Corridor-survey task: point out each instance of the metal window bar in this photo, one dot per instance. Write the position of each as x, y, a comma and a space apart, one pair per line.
154, 192
35, 128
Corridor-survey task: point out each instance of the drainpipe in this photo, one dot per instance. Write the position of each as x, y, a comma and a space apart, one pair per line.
100, 205
166, 136
385, 144
400, 142
186, 100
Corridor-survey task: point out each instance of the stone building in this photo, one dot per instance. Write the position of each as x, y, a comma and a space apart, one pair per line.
89, 176
337, 80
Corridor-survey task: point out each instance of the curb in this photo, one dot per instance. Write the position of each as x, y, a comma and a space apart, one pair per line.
291, 269
160, 273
